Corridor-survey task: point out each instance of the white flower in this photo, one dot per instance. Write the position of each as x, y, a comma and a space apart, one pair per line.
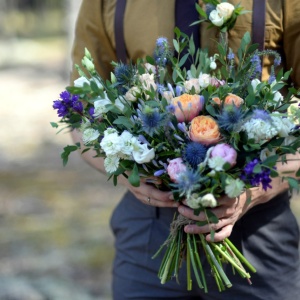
100, 106
143, 155
259, 130
225, 10
208, 200
85, 124
265, 153
147, 81
89, 135
88, 64
126, 139
150, 68
216, 163
111, 144
193, 201
110, 131
204, 80
255, 83
79, 82
111, 163
215, 18
192, 83
283, 125
289, 140
132, 94
278, 97
234, 187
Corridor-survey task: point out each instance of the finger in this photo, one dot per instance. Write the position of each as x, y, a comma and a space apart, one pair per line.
221, 235
189, 213
157, 203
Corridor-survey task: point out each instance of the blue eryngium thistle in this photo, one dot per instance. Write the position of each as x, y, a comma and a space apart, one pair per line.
230, 116
194, 153
67, 103
124, 73
152, 120
187, 182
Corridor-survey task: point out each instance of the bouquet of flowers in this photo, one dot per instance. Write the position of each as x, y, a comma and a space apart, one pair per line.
212, 130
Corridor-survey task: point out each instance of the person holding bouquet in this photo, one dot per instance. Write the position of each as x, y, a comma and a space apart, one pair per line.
265, 230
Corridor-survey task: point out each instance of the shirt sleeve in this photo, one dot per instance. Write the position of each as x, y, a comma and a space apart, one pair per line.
90, 33
291, 39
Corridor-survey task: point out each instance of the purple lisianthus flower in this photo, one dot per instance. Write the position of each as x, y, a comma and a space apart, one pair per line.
255, 179
67, 103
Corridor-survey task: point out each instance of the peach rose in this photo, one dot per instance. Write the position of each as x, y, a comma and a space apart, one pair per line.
204, 130
233, 99
187, 107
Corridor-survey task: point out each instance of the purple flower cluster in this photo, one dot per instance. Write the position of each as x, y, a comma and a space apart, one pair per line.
255, 179
67, 103
256, 61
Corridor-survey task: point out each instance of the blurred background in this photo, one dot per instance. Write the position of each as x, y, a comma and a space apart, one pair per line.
55, 240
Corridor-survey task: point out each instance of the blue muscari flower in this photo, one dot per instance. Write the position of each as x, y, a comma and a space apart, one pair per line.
256, 61
260, 114
255, 179
230, 116
230, 55
171, 108
151, 119
187, 182
194, 153
67, 103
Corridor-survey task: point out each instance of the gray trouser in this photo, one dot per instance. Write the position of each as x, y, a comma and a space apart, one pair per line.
268, 235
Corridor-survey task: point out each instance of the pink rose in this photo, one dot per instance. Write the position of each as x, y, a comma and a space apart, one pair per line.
226, 152
175, 167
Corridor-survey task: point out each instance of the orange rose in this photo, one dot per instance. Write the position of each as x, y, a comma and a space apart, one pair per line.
229, 100
187, 106
204, 130
233, 99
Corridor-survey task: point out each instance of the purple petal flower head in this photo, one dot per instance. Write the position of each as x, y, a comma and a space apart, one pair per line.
277, 61
171, 108
230, 55
261, 114
256, 61
255, 179
178, 90
161, 51
159, 173
67, 103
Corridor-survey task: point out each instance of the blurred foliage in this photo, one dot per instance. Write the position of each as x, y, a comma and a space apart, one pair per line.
32, 18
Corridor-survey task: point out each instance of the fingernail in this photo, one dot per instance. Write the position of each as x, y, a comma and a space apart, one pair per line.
181, 210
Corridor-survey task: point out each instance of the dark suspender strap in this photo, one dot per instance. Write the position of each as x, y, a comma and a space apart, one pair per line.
119, 30
258, 23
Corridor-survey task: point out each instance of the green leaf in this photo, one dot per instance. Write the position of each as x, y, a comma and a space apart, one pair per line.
298, 173
54, 125
121, 120
293, 183
212, 217
134, 177
67, 150
176, 45
270, 161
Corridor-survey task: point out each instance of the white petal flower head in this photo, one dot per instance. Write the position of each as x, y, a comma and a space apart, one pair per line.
79, 82
278, 97
111, 144
85, 124
110, 130
147, 81
100, 106
283, 125
216, 163
119, 103
265, 153
259, 130
90, 135
125, 139
193, 201
204, 80
208, 200
234, 187
132, 94
144, 154
225, 10
215, 18
111, 163
255, 83
192, 83
289, 140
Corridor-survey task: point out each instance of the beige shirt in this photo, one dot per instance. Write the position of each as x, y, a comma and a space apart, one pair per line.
145, 21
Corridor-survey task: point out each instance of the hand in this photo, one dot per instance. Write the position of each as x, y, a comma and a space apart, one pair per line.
149, 194
230, 210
